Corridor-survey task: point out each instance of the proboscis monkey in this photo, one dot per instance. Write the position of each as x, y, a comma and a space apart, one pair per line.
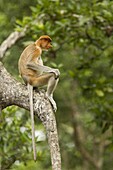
35, 74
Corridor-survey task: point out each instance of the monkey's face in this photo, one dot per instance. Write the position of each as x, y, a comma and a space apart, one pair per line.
45, 44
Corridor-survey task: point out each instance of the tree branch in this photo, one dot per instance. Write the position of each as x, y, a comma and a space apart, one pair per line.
11, 40
14, 93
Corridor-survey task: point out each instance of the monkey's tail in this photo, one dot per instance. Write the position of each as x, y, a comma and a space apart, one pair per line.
30, 90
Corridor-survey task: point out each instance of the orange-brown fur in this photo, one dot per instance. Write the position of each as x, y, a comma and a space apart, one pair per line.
32, 53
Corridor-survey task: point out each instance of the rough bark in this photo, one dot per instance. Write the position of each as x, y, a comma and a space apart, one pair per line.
14, 93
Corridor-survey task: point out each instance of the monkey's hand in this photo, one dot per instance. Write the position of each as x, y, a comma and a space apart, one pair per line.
56, 72
53, 103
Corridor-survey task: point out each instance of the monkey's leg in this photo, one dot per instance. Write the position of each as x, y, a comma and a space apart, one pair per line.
49, 79
30, 90
52, 83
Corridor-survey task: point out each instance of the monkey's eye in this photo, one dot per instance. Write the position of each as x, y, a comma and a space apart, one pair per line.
47, 39
50, 40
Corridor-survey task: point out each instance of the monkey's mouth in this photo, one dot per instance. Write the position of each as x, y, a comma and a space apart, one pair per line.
50, 46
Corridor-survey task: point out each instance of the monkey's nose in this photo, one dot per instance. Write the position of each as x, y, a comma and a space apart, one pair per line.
50, 46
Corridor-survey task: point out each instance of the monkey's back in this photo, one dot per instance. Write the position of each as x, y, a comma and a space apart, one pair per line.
25, 58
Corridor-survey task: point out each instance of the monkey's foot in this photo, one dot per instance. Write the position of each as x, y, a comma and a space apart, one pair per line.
53, 103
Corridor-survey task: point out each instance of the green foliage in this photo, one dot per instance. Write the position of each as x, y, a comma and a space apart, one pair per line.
82, 33
15, 138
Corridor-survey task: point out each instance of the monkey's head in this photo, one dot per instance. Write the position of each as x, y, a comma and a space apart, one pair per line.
44, 42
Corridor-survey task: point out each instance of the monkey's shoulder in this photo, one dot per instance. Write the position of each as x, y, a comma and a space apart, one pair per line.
30, 49
30, 52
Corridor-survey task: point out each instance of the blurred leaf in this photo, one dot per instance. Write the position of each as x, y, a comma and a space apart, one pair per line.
105, 127
100, 93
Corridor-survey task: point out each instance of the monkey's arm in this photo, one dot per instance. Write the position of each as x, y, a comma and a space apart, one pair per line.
37, 67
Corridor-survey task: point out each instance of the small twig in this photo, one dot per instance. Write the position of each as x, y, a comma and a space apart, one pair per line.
10, 41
